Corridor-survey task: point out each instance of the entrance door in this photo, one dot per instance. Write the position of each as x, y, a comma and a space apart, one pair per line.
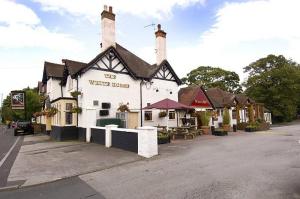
133, 120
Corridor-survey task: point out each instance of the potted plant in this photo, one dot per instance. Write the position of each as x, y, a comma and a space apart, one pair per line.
77, 110
252, 127
220, 132
123, 107
226, 120
205, 118
162, 114
163, 138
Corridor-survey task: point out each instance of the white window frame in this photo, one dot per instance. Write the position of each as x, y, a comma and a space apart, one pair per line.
151, 116
172, 113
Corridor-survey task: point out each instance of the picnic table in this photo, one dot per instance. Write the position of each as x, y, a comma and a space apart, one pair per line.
185, 131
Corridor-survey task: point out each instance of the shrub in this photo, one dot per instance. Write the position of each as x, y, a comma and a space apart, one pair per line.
205, 118
226, 116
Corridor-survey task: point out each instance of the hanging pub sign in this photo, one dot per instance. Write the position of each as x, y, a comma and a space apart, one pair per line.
18, 100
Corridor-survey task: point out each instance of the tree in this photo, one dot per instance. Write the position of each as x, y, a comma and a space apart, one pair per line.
32, 105
210, 77
275, 81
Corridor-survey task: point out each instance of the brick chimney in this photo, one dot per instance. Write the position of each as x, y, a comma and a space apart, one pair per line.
161, 51
108, 28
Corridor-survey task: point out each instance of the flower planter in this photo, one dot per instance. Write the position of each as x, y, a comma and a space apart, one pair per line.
226, 127
163, 140
220, 133
206, 129
250, 129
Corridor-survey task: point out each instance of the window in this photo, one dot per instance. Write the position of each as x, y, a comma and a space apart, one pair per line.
96, 103
148, 115
171, 115
69, 114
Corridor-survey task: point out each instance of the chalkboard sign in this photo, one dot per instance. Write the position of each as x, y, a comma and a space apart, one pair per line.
106, 105
104, 112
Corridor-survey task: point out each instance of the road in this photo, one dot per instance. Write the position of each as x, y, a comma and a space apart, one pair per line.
9, 148
261, 165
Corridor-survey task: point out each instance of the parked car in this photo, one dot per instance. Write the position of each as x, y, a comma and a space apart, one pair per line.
23, 127
13, 124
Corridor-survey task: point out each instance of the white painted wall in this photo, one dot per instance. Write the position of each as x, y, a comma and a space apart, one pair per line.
53, 88
117, 95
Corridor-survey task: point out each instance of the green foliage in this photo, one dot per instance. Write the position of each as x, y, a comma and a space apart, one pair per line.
251, 114
75, 94
210, 77
205, 118
77, 110
162, 135
226, 116
124, 108
275, 81
162, 114
32, 105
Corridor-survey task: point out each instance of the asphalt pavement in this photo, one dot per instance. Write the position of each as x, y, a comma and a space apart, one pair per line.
262, 165
9, 148
243, 165
71, 188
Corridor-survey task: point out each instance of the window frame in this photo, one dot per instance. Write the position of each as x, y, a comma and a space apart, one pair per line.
151, 116
68, 112
171, 112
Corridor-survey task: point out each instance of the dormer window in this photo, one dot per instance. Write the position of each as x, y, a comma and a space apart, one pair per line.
70, 83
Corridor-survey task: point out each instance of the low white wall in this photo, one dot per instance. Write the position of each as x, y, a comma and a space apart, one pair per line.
147, 138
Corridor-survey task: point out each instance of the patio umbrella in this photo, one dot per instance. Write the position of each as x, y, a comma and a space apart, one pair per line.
167, 104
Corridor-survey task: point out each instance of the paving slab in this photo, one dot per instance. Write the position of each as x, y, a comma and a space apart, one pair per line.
44, 160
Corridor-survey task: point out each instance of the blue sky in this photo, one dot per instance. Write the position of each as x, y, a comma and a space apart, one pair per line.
228, 34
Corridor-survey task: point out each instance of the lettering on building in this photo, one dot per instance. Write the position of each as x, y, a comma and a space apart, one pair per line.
112, 84
110, 76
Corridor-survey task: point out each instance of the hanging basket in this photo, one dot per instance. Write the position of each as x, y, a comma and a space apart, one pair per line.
77, 110
162, 114
75, 94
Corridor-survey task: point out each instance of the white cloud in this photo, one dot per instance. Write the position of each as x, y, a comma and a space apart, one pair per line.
11, 13
242, 33
92, 8
25, 44
24, 29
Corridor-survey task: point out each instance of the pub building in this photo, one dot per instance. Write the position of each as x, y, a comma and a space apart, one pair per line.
215, 100
196, 97
82, 93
